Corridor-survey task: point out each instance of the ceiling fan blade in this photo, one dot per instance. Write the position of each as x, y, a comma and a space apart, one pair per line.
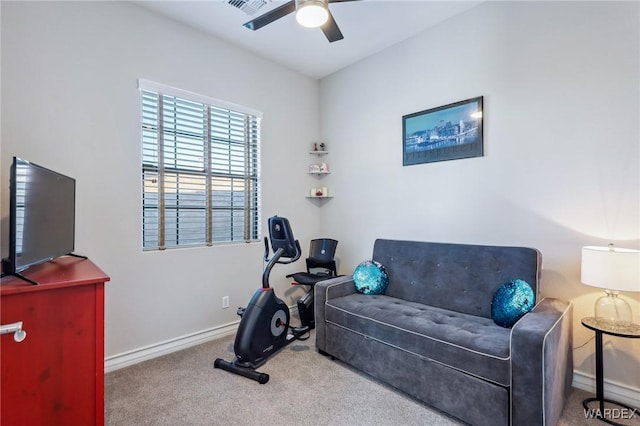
331, 30
271, 16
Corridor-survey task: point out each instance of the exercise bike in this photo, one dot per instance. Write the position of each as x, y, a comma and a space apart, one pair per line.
264, 326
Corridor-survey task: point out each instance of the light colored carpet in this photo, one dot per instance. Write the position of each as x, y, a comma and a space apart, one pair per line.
305, 388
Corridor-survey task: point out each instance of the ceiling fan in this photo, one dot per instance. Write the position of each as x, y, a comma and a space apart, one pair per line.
309, 13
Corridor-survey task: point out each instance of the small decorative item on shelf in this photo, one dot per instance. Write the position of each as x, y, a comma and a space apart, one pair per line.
324, 168
325, 191
315, 146
314, 168
319, 192
323, 146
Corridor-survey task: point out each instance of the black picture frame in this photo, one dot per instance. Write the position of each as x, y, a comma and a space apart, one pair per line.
448, 132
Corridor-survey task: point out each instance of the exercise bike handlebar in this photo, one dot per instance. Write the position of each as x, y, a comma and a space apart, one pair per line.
294, 258
276, 258
291, 260
266, 249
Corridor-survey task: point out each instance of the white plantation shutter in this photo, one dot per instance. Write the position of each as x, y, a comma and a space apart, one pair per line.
200, 169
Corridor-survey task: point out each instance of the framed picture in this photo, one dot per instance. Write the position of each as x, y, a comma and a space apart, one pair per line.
447, 132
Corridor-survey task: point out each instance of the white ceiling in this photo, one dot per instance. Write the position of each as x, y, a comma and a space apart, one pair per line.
368, 26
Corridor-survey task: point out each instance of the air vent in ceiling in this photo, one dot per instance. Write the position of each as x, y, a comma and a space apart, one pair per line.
249, 7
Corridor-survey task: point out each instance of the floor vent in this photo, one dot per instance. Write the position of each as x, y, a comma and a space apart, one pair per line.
249, 7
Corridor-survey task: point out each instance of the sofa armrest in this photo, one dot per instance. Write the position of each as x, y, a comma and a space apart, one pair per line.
541, 363
326, 290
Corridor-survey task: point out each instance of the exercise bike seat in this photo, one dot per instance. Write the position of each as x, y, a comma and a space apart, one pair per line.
320, 263
307, 278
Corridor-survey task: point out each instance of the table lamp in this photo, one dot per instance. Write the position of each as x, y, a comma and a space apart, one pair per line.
614, 269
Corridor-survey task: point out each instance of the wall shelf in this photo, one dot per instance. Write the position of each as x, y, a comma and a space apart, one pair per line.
318, 171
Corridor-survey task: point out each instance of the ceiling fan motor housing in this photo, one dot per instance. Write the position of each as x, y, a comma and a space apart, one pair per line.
311, 13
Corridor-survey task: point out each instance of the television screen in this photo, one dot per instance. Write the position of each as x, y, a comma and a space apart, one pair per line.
42, 215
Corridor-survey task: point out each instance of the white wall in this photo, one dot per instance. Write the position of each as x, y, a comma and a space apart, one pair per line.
561, 137
70, 102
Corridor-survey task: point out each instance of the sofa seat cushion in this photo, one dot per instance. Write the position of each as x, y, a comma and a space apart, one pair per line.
475, 345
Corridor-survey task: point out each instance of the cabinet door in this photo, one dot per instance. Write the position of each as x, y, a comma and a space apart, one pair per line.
50, 377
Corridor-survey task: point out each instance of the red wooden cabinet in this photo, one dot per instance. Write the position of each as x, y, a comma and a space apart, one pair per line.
55, 376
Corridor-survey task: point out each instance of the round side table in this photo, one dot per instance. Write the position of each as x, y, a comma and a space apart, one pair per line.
600, 327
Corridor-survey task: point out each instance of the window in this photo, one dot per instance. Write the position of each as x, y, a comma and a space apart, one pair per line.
200, 169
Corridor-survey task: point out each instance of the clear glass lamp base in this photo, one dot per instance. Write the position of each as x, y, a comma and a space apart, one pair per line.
612, 310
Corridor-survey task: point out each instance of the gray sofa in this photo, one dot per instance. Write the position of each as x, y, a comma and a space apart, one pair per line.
431, 334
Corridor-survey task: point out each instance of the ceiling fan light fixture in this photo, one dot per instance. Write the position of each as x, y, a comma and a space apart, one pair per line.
311, 13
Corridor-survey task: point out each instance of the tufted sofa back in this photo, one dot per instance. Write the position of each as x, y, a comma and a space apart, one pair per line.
457, 277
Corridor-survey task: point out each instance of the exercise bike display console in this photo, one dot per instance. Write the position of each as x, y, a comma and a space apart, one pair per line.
264, 326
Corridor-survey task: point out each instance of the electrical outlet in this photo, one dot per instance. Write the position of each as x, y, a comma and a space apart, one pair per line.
225, 302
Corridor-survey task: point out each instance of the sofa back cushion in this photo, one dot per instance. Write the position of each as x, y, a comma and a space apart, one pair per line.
458, 277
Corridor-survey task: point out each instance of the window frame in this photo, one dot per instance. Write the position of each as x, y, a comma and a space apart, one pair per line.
238, 139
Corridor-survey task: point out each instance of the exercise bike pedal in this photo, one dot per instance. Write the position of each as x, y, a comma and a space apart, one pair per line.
300, 331
240, 312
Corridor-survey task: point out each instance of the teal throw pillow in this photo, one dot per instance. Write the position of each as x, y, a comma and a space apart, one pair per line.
370, 277
511, 301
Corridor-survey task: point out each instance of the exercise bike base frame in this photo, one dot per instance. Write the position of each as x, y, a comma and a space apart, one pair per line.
247, 372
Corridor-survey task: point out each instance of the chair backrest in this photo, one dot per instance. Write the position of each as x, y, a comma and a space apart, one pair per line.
321, 255
322, 249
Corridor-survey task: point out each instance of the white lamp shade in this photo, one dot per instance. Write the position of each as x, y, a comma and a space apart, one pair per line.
611, 268
311, 13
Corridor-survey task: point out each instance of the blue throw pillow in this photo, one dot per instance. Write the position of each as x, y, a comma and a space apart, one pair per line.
511, 301
370, 277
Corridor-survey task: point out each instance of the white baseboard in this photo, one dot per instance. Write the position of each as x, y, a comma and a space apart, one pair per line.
135, 356
612, 390
125, 359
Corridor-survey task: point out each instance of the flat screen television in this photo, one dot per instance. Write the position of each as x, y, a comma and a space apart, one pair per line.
41, 216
